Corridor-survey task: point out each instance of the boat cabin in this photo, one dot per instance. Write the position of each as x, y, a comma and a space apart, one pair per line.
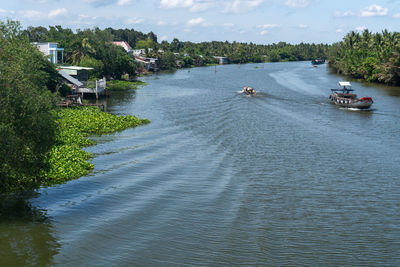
345, 91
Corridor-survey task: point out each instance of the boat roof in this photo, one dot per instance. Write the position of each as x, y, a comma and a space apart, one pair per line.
344, 83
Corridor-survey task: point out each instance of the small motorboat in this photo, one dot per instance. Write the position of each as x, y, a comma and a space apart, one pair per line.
345, 97
317, 61
249, 90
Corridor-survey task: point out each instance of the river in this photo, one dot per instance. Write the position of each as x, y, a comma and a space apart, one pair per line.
218, 178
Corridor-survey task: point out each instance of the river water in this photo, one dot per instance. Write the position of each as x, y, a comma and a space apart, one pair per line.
218, 178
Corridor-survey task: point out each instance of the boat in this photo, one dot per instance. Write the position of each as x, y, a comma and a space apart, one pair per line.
317, 61
249, 90
345, 97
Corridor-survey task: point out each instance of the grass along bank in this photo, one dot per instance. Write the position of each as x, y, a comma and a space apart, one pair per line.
67, 159
121, 85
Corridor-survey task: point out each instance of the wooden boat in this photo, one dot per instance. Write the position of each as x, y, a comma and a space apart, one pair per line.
345, 97
317, 61
249, 90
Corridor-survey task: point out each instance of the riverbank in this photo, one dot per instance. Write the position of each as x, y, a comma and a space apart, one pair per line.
122, 85
67, 159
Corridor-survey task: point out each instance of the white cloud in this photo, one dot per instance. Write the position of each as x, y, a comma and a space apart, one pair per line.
339, 30
163, 38
176, 3
360, 28
83, 19
161, 23
3, 11
57, 12
134, 21
238, 6
373, 10
347, 13
124, 2
303, 26
38, 1
297, 3
195, 22
198, 7
267, 26
396, 16
192, 5
31, 14
228, 24
264, 32
227, 6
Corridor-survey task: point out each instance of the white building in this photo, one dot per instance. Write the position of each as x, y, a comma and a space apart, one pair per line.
124, 45
51, 50
138, 52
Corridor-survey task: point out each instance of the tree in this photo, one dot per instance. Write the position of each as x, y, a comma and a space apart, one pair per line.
373, 57
27, 125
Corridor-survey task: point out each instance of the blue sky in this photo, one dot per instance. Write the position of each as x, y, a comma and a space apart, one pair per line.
257, 21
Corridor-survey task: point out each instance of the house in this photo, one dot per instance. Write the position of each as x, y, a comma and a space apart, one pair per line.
51, 50
222, 60
79, 73
124, 45
138, 52
147, 63
77, 77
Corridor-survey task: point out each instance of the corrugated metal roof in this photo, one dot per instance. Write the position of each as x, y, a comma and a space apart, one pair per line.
74, 68
70, 78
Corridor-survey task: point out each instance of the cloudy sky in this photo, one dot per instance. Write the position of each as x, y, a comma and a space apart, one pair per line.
257, 21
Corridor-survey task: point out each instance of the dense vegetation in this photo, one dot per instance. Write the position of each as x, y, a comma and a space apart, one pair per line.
40, 144
374, 57
88, 48
27, 123
67, 160
244, 52
93, 48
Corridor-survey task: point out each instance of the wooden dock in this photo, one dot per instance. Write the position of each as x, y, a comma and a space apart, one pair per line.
75, 101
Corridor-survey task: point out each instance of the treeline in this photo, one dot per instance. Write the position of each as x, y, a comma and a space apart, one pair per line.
248, 52
374, 57
94, 48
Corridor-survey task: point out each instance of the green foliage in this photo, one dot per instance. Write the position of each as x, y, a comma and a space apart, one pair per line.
202, 53
373, 57
67, 160
120, 85
64, 90
167, 61
144, 44
88, 48
97, 65
27, 125
94, 48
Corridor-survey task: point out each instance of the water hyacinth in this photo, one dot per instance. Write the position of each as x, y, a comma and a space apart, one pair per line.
121, 85
67, 159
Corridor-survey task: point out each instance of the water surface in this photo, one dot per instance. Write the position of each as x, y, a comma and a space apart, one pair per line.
222, 179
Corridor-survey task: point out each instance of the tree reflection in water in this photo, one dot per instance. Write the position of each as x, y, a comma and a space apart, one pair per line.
25, 233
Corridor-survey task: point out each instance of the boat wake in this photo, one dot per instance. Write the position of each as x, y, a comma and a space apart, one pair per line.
358, 109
